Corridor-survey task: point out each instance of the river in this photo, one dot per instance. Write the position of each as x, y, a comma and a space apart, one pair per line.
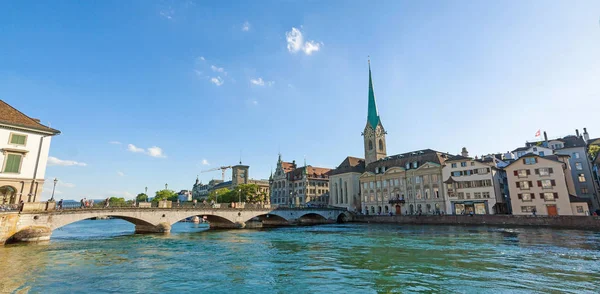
103, 256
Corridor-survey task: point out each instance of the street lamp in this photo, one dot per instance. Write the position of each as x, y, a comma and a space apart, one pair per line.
166, 185
240, 195
146, 193
53, 188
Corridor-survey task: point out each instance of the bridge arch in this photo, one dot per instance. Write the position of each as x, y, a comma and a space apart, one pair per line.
69, 218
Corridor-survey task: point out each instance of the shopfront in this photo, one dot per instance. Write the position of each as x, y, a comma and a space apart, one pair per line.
470, 207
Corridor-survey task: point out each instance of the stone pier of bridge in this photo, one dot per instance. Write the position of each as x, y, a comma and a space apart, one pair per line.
38, 224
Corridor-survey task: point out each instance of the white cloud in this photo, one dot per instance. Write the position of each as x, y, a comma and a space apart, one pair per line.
295, 42
246, 26
310, 47
120, 174
155, 152
134, 149
202, 58
205, 162
167, 13
217, 69
217, 81
114, 142
55, 161
261, 82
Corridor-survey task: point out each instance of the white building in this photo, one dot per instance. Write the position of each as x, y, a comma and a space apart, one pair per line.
537, 150
344, 184
24, 147
474, 185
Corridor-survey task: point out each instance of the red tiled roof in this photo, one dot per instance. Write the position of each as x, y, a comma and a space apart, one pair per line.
11, 116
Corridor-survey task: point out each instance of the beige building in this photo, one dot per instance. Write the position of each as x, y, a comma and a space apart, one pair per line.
344, 184
408, 183
24, 148
543, 185
473, 185
293, 186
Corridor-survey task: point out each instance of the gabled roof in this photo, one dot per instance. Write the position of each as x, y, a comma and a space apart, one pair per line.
400, 160
570, 141
594, 141
288, 166
12, 117
521, 149
350, 165
458, 158
547, 157
312, 172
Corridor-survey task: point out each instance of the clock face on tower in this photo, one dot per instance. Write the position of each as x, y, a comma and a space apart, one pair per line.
379, 131
368, 132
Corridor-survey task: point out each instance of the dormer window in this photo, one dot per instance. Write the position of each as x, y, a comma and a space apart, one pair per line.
415, 164
408, 166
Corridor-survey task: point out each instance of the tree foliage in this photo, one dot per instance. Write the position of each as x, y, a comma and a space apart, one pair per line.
114, 201
165, 195
593, 151
222, 195
142, 197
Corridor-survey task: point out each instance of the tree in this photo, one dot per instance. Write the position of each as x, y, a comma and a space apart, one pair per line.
593, 151
165, 195
114, 201
142, 197
223, 195
249, 193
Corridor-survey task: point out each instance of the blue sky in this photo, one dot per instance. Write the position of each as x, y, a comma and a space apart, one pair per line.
204, 81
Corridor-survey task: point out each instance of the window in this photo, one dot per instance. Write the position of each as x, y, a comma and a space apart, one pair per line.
407, 166
578, 166
581, 178
542, 153
396, 182
415, 164
426, 193
17, 139
579, 209
546, 184
534, 149
418, 179
524, 185
436, 192
371, 185
468, 195
463, 164
527, 208
530, 160
522, 173
477, 195
549, 196
456, 174
380, 145
584, 190
12, 163
544, 171
472, 163
378, 184
461, 195
454, 165
418, 194
370, 145
365, 186
525, 196
482, 170
486, 194
434, 178
575, 155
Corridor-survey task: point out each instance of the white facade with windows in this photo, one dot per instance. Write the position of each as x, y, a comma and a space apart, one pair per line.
24, 147
473, 187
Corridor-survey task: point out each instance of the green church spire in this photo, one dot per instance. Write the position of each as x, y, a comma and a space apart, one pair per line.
373, 115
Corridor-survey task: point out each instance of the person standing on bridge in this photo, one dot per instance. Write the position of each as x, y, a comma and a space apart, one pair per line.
106, 202
82, 203
195, 201
60, 204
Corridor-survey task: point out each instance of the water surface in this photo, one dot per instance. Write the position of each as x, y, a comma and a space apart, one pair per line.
103, 256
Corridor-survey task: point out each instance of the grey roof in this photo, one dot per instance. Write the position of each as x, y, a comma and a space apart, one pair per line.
521, 149
458, 157
570, 141
420, 156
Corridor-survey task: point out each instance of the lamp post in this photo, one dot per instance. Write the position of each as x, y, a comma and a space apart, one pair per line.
53, 188
146, 193
166, 186
240, 195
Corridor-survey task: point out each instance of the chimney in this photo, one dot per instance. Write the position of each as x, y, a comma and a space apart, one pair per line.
586, 136
545, 140
464, 152
577, 133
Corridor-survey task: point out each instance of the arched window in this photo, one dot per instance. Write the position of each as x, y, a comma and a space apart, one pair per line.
419, 208
428, 208
346, 192
337, 197
8, 195
370, 145
437, 207
380, 145
373, 209
387, 210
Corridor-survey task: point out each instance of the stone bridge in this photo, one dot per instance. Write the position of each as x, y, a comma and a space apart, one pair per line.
38, 225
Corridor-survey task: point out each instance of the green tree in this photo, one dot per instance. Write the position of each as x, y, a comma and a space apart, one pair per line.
249, 193
142, 197
593, 151
114, 201
223, 195
165, 195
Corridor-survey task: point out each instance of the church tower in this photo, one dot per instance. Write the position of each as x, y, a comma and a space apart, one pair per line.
374, 133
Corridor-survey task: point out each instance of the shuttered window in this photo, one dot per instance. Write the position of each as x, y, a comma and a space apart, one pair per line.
13, 163
18, 139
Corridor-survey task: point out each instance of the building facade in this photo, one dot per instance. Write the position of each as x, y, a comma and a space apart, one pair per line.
542, 184
24, 147
344, 184
239, 175
293, 186
581, 169
474, 186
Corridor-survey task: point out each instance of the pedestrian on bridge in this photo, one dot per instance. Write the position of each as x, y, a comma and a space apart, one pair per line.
82, 203
106, 202
60, 204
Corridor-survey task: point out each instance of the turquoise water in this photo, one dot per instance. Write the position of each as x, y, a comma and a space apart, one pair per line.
104, 256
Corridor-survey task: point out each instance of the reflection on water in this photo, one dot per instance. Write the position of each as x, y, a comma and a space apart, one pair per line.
105, 256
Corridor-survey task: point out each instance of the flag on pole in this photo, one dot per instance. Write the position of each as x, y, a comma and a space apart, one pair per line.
538, 133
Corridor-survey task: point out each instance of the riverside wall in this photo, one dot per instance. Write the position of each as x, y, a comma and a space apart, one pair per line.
560, 222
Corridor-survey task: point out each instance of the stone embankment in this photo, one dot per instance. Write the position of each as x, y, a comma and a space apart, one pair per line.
561, 222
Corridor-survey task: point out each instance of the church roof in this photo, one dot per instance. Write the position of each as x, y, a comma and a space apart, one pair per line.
312, 172
400, 160
373, 114
349, 165
13, 117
